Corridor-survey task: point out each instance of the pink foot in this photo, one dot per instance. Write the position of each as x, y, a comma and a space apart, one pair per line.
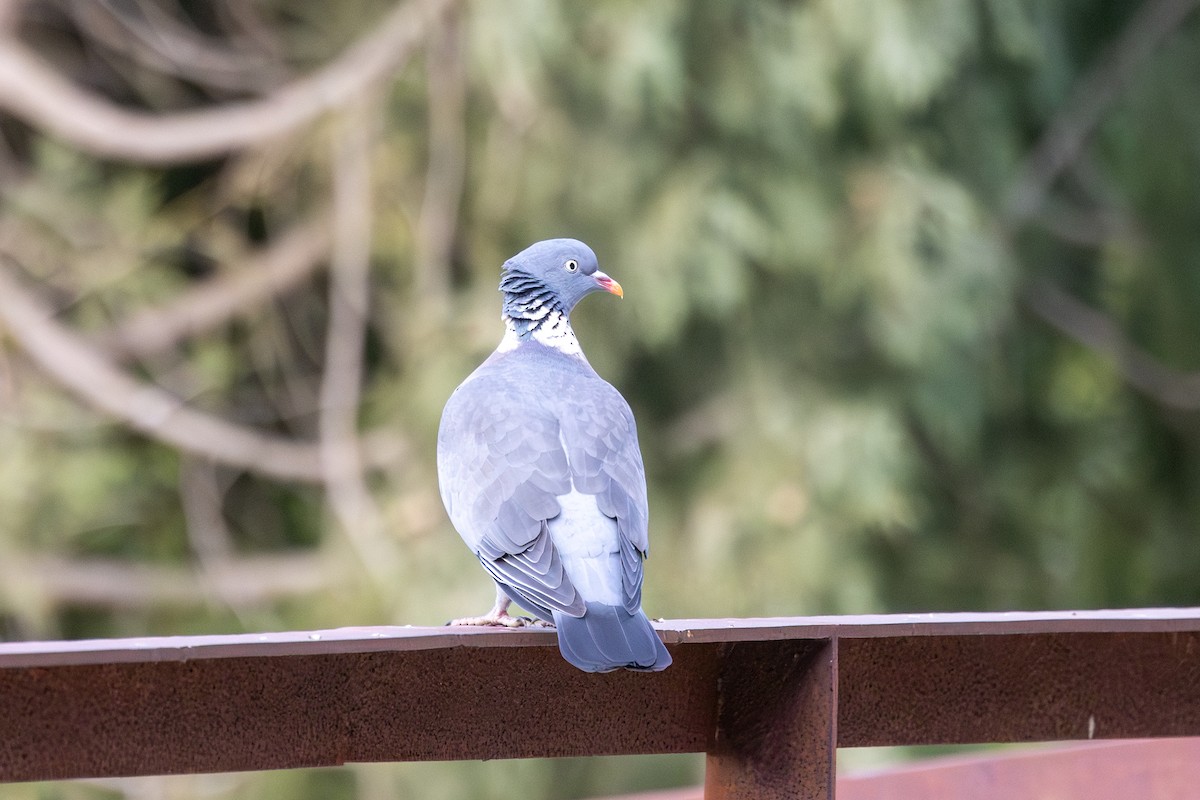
498, 617
493, 620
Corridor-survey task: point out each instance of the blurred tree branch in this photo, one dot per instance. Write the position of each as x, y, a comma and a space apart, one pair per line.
268, 273
8, 13
158, 40
345, 339
1099, 332
436, 225
32, 90
246, 22
241, 582
1058, 150
1092, 96
78, 366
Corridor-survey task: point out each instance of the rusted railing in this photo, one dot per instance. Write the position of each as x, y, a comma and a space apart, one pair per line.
769, 700
1138, 769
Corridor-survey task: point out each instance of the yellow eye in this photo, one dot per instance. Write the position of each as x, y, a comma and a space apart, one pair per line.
571, 265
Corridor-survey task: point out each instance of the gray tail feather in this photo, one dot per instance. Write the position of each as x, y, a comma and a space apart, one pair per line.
609, 637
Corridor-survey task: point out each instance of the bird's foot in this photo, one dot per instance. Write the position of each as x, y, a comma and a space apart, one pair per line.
494, 620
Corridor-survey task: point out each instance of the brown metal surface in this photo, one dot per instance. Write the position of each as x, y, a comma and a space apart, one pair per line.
776, 732
221, 703
1159, 769
871, 626
679, 631
1143, 769
246, 713
1018, 688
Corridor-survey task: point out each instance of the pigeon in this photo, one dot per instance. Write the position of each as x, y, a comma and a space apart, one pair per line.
541, 475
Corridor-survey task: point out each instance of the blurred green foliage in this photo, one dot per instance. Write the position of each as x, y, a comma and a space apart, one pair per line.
847, 402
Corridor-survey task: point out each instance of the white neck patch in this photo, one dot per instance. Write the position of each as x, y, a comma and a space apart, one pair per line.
554, 332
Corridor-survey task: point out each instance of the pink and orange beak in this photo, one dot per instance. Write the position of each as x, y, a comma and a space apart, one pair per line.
608, 284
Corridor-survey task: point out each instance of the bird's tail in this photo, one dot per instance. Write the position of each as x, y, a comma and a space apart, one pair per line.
609, 637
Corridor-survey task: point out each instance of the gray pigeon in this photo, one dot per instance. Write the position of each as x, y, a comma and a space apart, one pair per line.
540, 471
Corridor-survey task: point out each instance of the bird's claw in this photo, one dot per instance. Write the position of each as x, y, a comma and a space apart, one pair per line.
499, 621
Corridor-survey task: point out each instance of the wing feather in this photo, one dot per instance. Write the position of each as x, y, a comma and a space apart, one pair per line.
607, 462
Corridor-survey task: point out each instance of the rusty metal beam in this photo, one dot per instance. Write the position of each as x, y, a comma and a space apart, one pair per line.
179, 712
1162, 769
766, 698
776, 732
1019, 688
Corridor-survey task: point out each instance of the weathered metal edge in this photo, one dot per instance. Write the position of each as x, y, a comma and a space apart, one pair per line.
681, 631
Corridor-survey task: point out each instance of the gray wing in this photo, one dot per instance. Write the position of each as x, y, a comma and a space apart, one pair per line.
605, 461
504, 459
501, 468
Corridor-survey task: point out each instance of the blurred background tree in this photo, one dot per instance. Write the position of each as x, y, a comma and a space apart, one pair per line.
910, 318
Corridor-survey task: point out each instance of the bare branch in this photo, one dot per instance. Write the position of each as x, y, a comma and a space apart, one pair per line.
32, 90
244, 22
349, 290
78, 366
1059, 149
202, 498
119, 584
438, 219
1089, 101
1087, 227
8, 14
164, 43
1096, 331
269, 273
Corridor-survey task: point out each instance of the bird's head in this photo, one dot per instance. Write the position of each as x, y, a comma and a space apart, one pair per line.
566, 269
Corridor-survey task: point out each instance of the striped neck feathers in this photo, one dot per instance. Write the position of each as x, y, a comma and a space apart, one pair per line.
533, 313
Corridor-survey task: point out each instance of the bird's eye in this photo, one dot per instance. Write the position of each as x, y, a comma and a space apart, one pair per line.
571, 265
